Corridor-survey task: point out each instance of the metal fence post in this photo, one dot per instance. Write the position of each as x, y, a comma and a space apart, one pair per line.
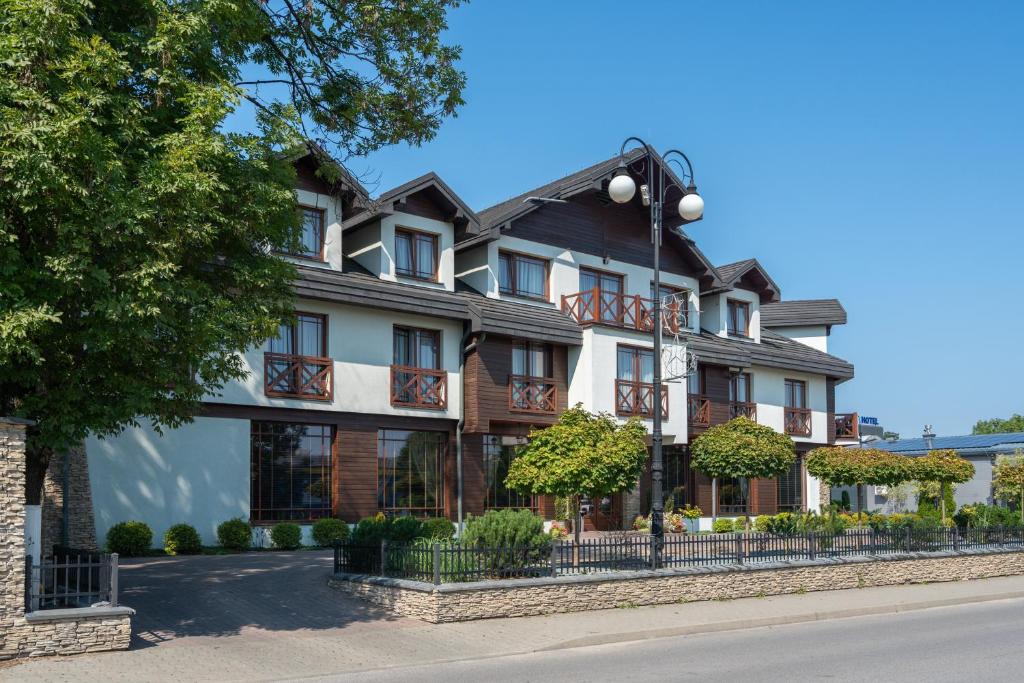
28, 583
113, 579
437, 564
384, 557
811, 546
654, 551
955, 532
554, 559
739, 548
908, 539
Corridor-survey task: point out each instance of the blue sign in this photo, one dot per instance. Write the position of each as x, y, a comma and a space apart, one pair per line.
865, 420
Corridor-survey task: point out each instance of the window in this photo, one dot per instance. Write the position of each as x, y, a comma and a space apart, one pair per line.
796, 393
740, 402
607, 306
311, 243
634, 388
733, 494
410, 472
674, 477
416, 348
528, 389
522, 275
291, 471
417, 379
697, 403
797, 416
530, 359
295, 364
677, 312
790, 489
416, 254
739, 317
499, 452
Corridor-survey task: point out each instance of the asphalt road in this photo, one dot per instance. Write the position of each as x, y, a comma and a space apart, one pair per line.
977, 642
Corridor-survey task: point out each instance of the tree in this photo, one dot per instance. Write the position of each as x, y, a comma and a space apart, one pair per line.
996, 425
944, 466
581, 454
1008, 479
838, 466
890, 436
131, 273
741, 448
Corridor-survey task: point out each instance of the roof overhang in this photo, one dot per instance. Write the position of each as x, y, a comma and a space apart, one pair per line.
394, 200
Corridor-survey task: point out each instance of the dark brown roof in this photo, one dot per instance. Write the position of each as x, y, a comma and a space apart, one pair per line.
541, 323
774, 351
803, 312
385, 204
732, 273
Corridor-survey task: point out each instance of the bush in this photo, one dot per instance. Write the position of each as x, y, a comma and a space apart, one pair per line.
722, 526
783, 524
762, 523
182, 539
642, 523
372, 530
979, 516
328, 531
505, 529
404, 529
235, 534
437, 528
286, 535
129, 538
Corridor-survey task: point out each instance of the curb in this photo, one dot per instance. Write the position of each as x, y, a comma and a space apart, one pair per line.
742, 624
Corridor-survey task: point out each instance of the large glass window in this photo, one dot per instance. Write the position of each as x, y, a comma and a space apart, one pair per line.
307, 336
674, 477
738, 317
499, 452
291, 471
676, 303
790, 489
733, 495
417, 378
607, 305
410, 472
311, 243
295, 363
634, 388
522, 275
416, 254
530, 359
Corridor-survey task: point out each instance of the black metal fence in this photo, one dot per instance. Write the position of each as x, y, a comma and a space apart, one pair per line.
71, 578
449, 562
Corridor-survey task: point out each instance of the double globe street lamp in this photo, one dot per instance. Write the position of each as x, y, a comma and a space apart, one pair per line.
622, 189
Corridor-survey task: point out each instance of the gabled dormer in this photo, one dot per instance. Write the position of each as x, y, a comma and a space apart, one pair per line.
408, 234
733, 308
808, 321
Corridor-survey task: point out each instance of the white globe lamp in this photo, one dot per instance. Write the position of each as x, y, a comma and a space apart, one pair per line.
622, 188
691, 206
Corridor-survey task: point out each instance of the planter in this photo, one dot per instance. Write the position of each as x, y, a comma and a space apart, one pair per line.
692, 525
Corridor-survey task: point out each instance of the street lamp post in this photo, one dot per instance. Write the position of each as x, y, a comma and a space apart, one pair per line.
621, 189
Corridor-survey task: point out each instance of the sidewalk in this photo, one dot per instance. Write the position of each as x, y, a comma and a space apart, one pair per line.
255, 653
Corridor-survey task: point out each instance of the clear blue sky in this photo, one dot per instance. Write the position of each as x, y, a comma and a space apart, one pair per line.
869, 151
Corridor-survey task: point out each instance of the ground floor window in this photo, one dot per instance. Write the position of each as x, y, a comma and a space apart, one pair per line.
674, 479
291, 471
790, 491
499, 452
410, 472
733, 495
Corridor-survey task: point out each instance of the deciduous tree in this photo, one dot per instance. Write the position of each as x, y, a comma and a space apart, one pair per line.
838, 466
944, 466
1008, 479
996, 425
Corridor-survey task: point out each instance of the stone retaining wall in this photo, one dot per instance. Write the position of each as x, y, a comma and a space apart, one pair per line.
530, 597
45, 632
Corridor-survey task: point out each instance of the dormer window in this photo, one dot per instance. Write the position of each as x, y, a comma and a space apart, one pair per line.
311, 245
738, 318
416, 254
523, 276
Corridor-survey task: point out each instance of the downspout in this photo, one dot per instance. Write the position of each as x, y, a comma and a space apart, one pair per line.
467, 349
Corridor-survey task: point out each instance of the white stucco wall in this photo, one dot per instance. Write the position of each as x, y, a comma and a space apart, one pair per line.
769, 392
363, 245
715, 312
814, 336
445, 245
197, 474
473, 268
360, 341
332, 226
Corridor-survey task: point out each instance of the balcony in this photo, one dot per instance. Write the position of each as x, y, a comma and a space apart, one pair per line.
288, 375
798, 421
631, 311
637, 398
743, 409
699, 411
532, 395
419, 387
846, 425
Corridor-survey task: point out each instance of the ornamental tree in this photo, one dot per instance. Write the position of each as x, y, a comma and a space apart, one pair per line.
944, 466
136, 232
1008, 479
583, 454
838, 466
741, 448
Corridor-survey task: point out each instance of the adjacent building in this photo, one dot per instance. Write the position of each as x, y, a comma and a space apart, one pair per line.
430, 339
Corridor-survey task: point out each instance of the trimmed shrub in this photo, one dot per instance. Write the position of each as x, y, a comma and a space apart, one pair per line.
783, 524
979, 515
235, 534
762, 523
328, 531
182, 539
129, 538
286, 535
722, 526
505, 528
437, 528
404, 529
371, 530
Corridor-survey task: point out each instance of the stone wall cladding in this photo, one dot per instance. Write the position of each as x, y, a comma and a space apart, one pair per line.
82, 525
43, 632
532, 597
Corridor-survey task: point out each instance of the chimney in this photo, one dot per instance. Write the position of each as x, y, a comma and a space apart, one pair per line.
929, 437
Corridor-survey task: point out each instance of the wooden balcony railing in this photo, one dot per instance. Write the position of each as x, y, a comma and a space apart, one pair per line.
637, 398
699, 408
798, 421
419, 387
287, 375
846, 425
746, 409
632, 311
532, 394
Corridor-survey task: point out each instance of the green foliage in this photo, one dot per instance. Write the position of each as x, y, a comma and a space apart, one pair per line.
979, 516
437, 528
505, 528
235, 534
782, 524
722, 526
1008, 480
372, 530
691, 512
943, 466
742, 448
136, 230
761, 523
286, 535
565, 508
182, 539
404, 529
129, 538
837, 466
328, 531
581, 454
1014, 423
891, 436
